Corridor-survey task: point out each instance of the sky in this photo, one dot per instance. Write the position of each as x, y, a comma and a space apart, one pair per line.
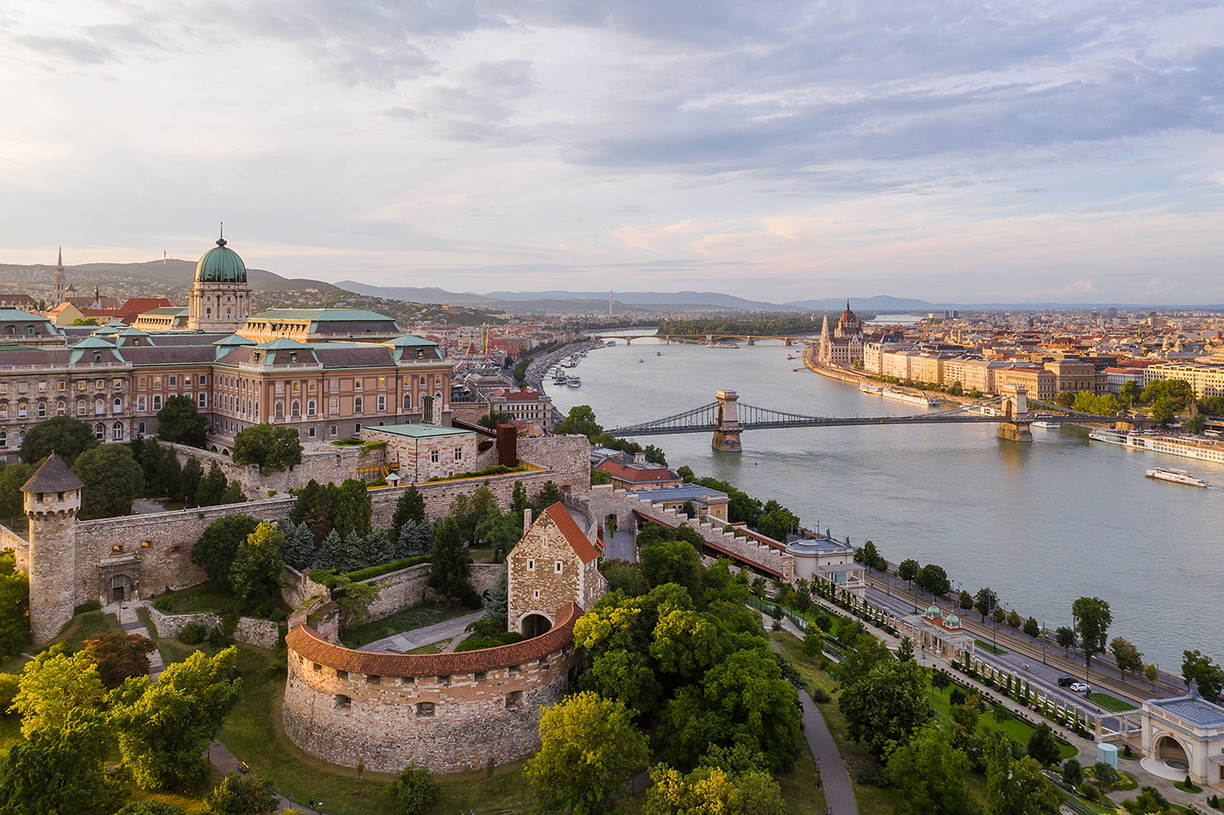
1028, 151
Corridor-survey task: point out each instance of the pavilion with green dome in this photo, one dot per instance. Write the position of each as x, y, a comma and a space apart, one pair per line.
220, 298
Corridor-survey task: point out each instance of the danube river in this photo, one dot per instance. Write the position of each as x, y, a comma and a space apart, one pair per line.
1041, 523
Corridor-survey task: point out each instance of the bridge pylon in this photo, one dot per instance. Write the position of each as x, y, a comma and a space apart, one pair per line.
1015, 410
727, 436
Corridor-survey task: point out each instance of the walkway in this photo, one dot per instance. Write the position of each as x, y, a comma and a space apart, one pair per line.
130, 622
420, 637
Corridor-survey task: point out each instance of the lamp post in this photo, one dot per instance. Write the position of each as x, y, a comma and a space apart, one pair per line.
1045, 641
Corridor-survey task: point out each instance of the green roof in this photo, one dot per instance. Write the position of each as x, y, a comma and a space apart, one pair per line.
420, 431
18, 314
93, 342
409, 340
323, 314
163, 311
281, 342
235, 339
220, 265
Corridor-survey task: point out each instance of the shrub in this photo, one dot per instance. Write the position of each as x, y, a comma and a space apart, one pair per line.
1002, 714
217, 638
940, 680
386, 568
193, 634
8, 691
414, 792
1073, 773
871, 775
1089, 791
819, 695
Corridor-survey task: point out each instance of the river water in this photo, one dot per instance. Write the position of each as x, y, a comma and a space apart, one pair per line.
1041, 523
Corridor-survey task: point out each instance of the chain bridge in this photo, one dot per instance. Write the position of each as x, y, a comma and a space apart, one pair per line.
725, 418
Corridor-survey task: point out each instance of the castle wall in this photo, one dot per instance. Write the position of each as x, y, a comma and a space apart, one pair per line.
250, 630
447, 712
406, 588
323, 464
569, 458
21, 550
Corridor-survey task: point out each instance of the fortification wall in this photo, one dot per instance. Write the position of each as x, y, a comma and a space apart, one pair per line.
324, 463
250, 630
406, 588
569, 458
447, 712
21, 549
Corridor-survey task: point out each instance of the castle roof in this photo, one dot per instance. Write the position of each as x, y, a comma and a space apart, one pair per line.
573, 534
220, 265
53, 476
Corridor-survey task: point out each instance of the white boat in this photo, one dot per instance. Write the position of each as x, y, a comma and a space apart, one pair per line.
574, 382
1184, 446
1175, 476
723, 345
560, 378
871, 390
912, 398
1047, 425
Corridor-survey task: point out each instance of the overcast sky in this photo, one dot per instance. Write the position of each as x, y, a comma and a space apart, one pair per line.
1025, 151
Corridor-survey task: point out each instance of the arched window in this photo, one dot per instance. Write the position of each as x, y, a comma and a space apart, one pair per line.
140, 428
99, 432
311, 407
23, 410
8, 329
61, 407
99, 407
407, 402
357, 427
4, 410
280, 410
117, 405
117, 431
29, 331
80, 407
3, 438
295, 409
42, 410
311, 432
208, 313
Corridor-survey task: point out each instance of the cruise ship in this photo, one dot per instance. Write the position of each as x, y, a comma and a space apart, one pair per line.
1185, 446
1175, 476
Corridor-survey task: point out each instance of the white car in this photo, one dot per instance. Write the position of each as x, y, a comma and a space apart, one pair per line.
1079, 687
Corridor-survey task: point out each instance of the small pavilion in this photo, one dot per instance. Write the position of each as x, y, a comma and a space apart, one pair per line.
1184, 736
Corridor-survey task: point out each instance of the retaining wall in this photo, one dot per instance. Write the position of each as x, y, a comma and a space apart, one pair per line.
406, 588
250, 631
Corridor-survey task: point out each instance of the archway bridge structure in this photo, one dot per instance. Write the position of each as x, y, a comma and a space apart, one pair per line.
749, 339
725, 418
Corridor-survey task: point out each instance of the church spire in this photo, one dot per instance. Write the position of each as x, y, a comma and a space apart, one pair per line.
59, 263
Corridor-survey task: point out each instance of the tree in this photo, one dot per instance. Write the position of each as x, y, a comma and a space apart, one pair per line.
1092, 619
273, 448
255, 573
151, 457
212, 487
112, 480
519, 502
674, 561
872, 558
588, 748
353, 599
1126, 655
907, 569
1064, 399
60, 768
1164, 411
14, 606
496, 598
712, 790
450, 571
12, 499
813, 641
548, 495
1200, 669
415, 538
1212, 405
984, 601
1016, 787
150, 808
299, 549
352, 507
1130, 392
63, 435
1194, 424
180, 422
1032, 628
1014, 620
243, 795
1178, 390
164, 727
493, 418
1072, 772
314, 507
579, 422
119, 656
1043, 747
934, 579
887, 705
414, 791
411, 507
1147, 802
966, 600
189, 480
929, 775
1065, 637
54, 684
654, 455
214, 552
232, 494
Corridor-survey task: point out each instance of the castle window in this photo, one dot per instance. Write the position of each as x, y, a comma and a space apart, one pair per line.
479, 676
425, 709
343, 702
382, 404
458, 454
3, 438
382, 381
342, 674
317, 666
372, 679
99, 432
407, 401
357, 383
311, 432
117, 384
535, 594
514, 670
333, 405
117, 432
295, 409
513, 699
42, 409
157, 401
174, 381
117, 405
297, 386
331, 431
333, 384
357, 427
142, 402
203, 400
433, 456
358, 405
22, 410
558, 566
99, 407
61, 408
531, 565
311, 408
280, 410
3, 411
140, 428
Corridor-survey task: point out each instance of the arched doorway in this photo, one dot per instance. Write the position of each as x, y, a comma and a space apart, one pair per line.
1170, 753
534, 625
120, 588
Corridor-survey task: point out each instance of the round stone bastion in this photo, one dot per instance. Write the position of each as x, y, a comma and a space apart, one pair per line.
447, 712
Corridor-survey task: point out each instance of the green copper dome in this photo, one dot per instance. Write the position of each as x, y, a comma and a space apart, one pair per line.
221, 265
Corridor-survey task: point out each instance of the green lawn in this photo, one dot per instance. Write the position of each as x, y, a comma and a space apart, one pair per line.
1111, 702
206, 597
409, 619
994, 649
1017, 729
86, 626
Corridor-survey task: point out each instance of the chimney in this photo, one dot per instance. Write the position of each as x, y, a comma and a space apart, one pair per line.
526, 520
639, 458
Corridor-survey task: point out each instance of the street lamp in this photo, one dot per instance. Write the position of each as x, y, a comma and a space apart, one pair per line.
1045, 641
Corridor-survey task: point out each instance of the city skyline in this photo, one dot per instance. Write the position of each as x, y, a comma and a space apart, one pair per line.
1033, 152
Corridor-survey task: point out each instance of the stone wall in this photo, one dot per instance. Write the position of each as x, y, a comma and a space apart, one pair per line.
406, 587
21, 550
569, 458
447, 712
250, 631
326, 463
296, 588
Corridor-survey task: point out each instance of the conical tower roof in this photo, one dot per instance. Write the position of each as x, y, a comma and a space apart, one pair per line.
53, 476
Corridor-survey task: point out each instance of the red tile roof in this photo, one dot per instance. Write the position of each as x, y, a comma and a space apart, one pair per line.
308, 643
636, 475
135, 306
574, 535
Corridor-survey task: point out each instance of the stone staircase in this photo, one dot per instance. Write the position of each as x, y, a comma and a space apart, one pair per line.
129, 621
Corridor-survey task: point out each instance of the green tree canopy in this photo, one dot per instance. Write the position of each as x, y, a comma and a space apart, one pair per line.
548, 495
255, 573
712, 790
493, 418
273, 448
411, 507
119, 656
112, 480
243, 795
929, 773
12, 499
985, 601
885, 706
214, 552
1164, 411
1092, 620
164, 727
907, 569
1208, 675
180, 422
588, 748
52, 685
63, 435
14, 606
1016, 787
579, 422
189, 481
414, 791
450, 573
352, 507
60, 768
211, 491
1043, 747
934, 579
1126, 655
315, 508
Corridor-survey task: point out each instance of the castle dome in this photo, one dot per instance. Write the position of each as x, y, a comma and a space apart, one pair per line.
847, 317
220, 265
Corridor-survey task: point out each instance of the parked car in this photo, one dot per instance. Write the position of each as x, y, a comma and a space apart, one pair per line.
1065, 681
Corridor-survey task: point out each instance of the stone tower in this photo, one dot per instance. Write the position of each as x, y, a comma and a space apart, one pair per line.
52, 500
220, 298
59, 280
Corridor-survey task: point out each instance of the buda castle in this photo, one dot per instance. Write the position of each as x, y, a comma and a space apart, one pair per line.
325, 372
